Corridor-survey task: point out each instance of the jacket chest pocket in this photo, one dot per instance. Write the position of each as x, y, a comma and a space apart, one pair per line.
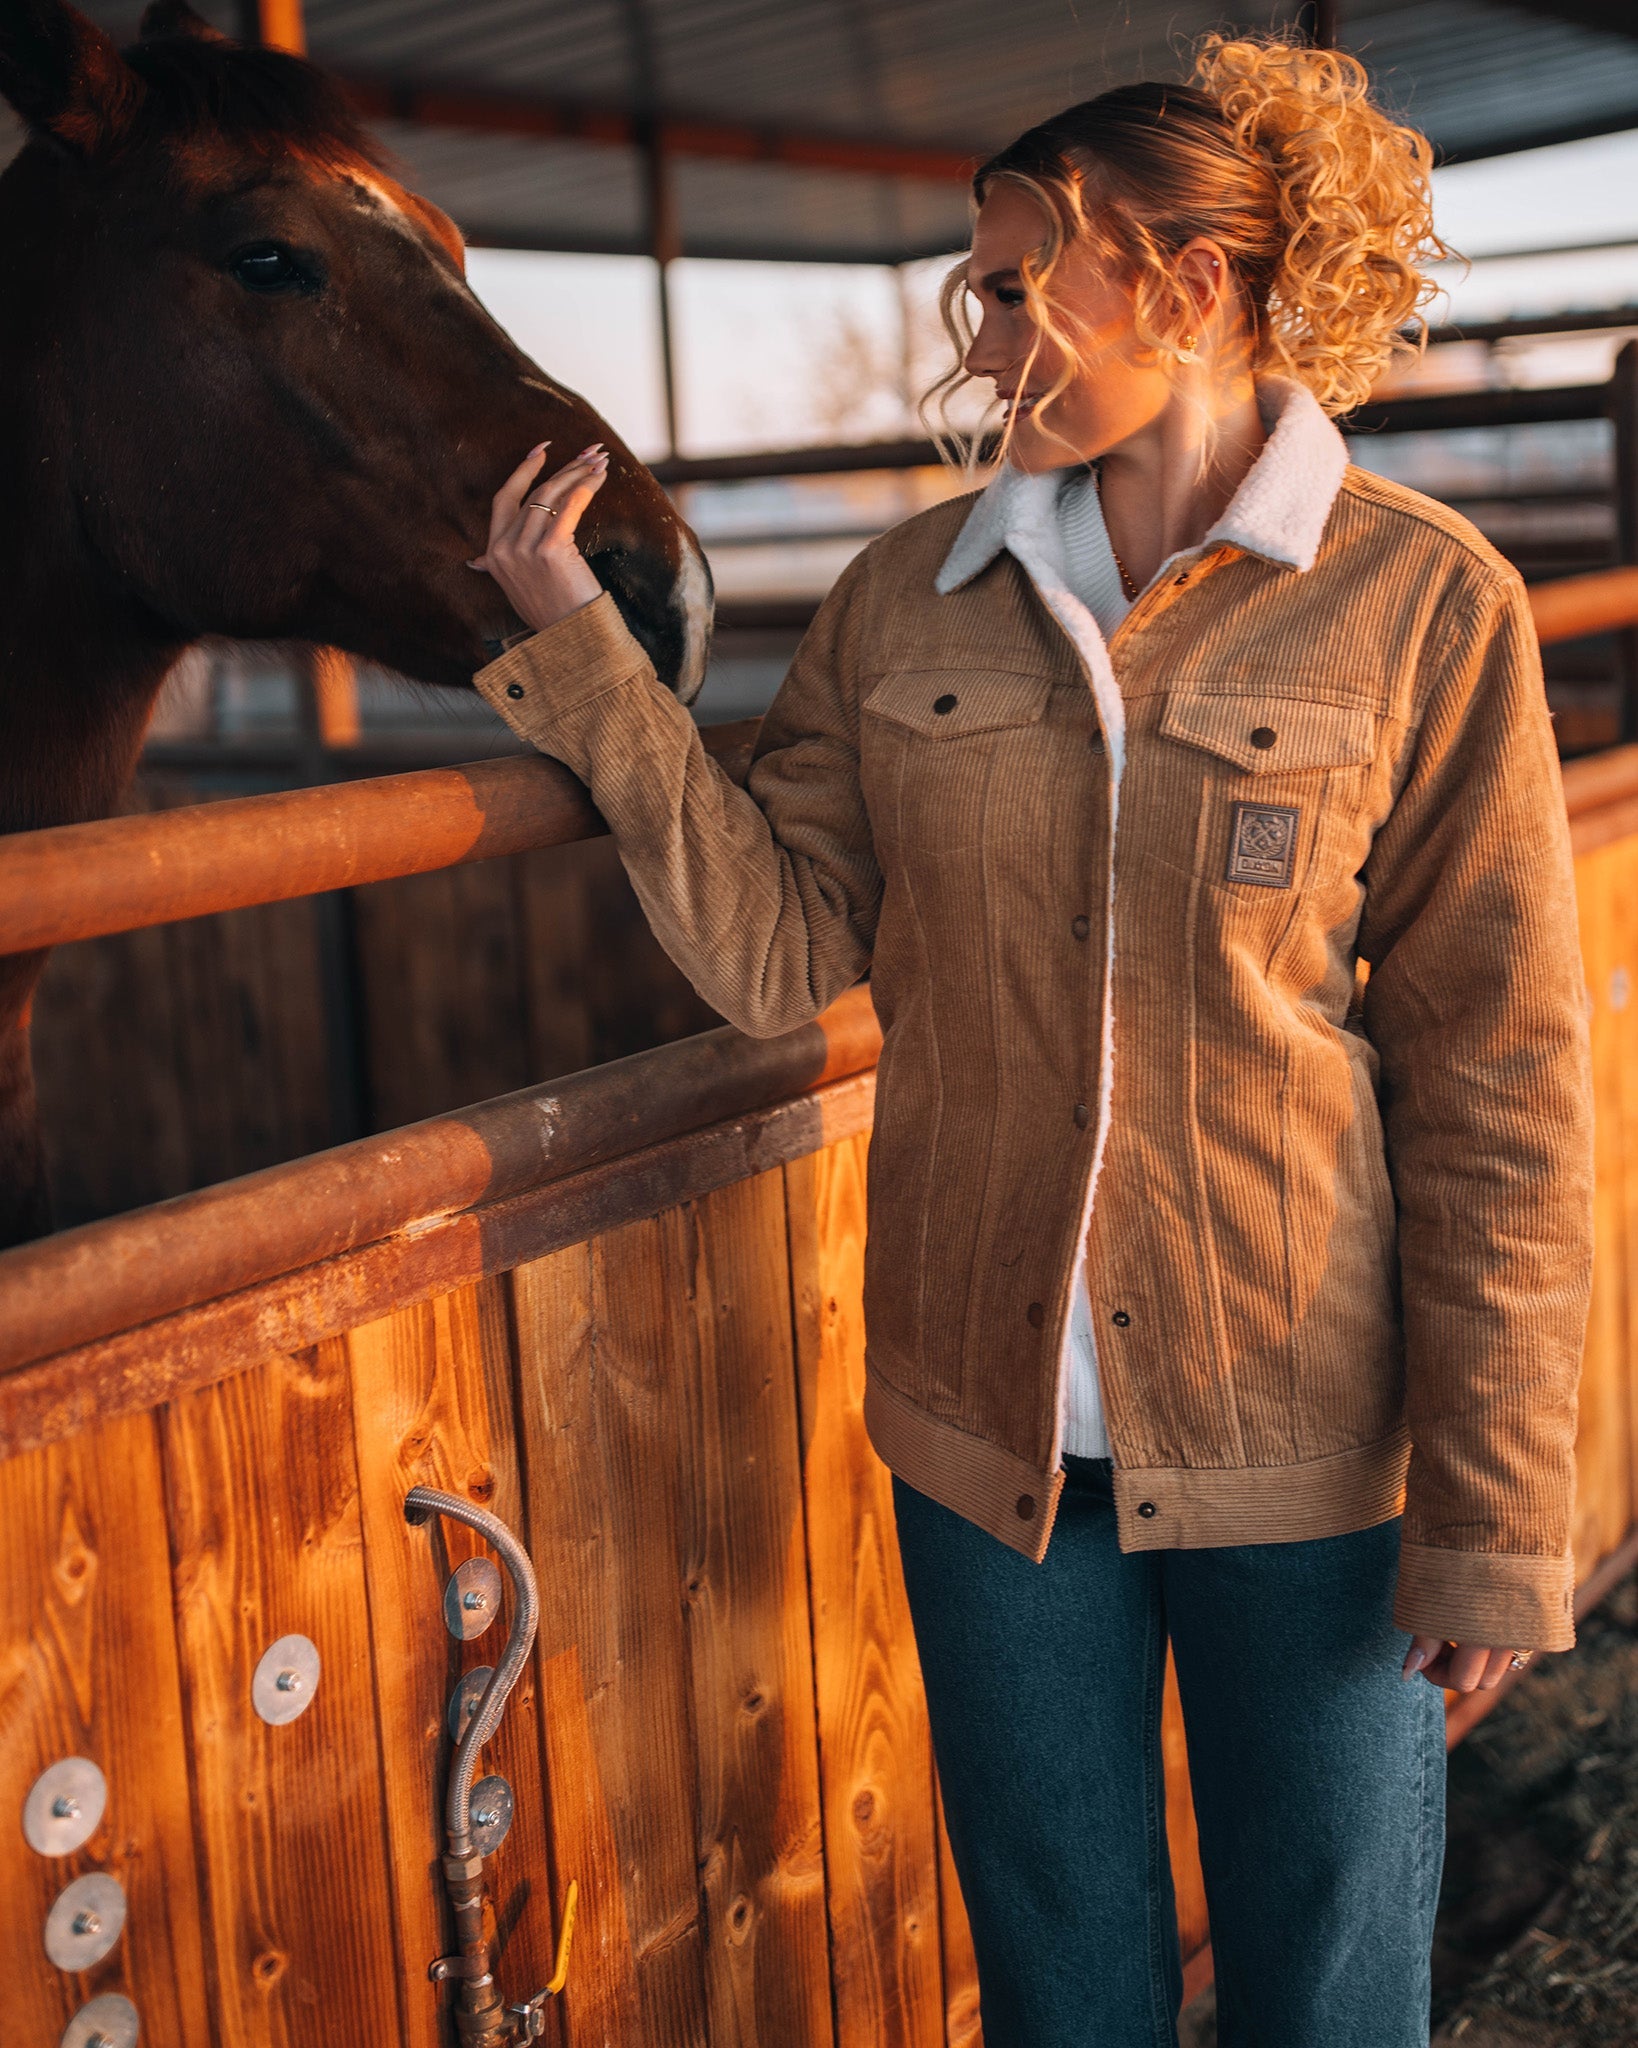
1271, 783
934, 744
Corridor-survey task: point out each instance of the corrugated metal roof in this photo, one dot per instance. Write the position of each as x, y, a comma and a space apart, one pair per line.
961, 75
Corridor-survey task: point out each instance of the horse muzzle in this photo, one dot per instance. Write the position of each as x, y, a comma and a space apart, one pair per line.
665, 597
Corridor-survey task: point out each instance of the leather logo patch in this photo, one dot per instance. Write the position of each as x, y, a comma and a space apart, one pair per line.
1262, 845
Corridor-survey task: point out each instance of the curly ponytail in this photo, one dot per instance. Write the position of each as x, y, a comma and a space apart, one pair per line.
1275, 151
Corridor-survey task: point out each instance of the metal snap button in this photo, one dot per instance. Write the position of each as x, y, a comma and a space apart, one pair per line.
1120, 1319
944, 703
1026, 1506
1148, 1510
1083, 1116
514, 689
1082, 927
1264, 736
1036, 1315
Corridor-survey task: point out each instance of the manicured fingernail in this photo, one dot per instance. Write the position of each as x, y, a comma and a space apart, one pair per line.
1414, 1663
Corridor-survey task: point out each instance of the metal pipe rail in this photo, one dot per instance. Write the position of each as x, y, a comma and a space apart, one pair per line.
122, 874
69, 1290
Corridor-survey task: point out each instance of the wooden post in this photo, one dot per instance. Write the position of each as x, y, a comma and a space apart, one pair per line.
665, 245
333, 681
1624, 413
279, 24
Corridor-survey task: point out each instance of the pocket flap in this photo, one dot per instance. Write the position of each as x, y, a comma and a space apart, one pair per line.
948, 703
1267, 735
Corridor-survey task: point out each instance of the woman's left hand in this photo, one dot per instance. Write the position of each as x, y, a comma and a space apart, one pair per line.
533, 553
1459, 1667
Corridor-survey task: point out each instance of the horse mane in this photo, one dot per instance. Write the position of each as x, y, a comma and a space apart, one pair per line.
264, 100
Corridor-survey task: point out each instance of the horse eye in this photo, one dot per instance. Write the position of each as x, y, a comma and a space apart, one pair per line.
267, 267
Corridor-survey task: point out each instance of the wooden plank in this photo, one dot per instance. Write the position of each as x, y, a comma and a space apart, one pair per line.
154, 1361
432, 1406
876, 1764
88, 1668
267, 1542
760, 1852
600, 2002
963, 2021
112, 1111
1182, 1836
555, 942
443, 1003
599, 1369
1622, 1110
1603, 1507
248, 1021
635, 997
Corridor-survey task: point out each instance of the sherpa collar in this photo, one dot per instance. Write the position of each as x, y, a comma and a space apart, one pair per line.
1279, 511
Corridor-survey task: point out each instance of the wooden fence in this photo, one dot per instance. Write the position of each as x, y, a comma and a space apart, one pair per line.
623, 1312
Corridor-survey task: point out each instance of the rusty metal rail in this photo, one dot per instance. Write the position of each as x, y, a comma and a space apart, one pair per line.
121, 874
80, 1285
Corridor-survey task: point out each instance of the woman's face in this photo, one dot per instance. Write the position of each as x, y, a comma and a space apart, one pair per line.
1117, 386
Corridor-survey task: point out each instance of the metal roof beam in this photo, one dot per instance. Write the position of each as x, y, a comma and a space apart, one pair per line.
487, 113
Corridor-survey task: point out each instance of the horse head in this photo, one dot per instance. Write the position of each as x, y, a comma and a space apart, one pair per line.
261, 397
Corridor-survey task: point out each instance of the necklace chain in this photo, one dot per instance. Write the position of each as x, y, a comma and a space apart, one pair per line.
1128, 582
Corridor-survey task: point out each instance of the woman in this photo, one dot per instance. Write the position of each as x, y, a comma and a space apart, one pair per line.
1299, 1382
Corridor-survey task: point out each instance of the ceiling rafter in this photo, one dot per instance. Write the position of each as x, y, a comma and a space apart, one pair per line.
545, 120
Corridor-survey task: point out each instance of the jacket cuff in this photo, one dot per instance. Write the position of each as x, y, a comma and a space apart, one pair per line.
554, 672
1501, 1599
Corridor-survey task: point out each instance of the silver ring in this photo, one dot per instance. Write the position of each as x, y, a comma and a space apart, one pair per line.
1519, 1659
535, 505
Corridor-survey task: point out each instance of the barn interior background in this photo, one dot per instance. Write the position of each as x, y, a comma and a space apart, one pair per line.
724, 219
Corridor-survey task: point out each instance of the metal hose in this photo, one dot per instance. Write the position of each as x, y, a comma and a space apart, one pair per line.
420, 1504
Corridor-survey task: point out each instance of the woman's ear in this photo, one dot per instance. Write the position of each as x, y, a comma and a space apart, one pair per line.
1203, 272
64, 76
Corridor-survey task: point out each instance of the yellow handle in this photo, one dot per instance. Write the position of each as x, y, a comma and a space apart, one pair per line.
560, 1974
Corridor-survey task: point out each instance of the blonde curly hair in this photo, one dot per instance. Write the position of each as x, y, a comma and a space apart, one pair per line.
1275, 151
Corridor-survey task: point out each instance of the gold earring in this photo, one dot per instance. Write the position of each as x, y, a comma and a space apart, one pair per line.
1189, 352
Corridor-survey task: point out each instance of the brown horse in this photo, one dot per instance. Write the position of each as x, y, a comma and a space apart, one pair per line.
246, 392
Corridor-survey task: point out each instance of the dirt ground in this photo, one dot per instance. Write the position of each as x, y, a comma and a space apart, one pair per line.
1537, 1944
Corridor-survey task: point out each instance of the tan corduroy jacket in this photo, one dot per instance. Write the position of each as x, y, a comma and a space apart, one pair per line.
1342, 1225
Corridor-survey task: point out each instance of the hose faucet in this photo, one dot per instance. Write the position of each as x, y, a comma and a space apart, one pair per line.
482, 2019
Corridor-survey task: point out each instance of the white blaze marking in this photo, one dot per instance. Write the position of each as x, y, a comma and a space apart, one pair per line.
692, 594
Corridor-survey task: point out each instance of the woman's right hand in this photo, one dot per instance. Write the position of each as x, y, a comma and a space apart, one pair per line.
533, 553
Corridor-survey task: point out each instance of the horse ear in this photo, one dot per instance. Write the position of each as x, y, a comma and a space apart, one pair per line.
176, 18
64, 76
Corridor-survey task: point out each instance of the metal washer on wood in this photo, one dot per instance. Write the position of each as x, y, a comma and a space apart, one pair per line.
463, 1701
64, 1807
472, 1599
107, 2022
285, 1680
87, 1917
491, 1812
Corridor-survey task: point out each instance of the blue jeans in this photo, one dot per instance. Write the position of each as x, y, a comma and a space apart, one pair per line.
1319, 1778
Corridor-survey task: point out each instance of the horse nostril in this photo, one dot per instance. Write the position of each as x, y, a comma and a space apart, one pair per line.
665, 597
